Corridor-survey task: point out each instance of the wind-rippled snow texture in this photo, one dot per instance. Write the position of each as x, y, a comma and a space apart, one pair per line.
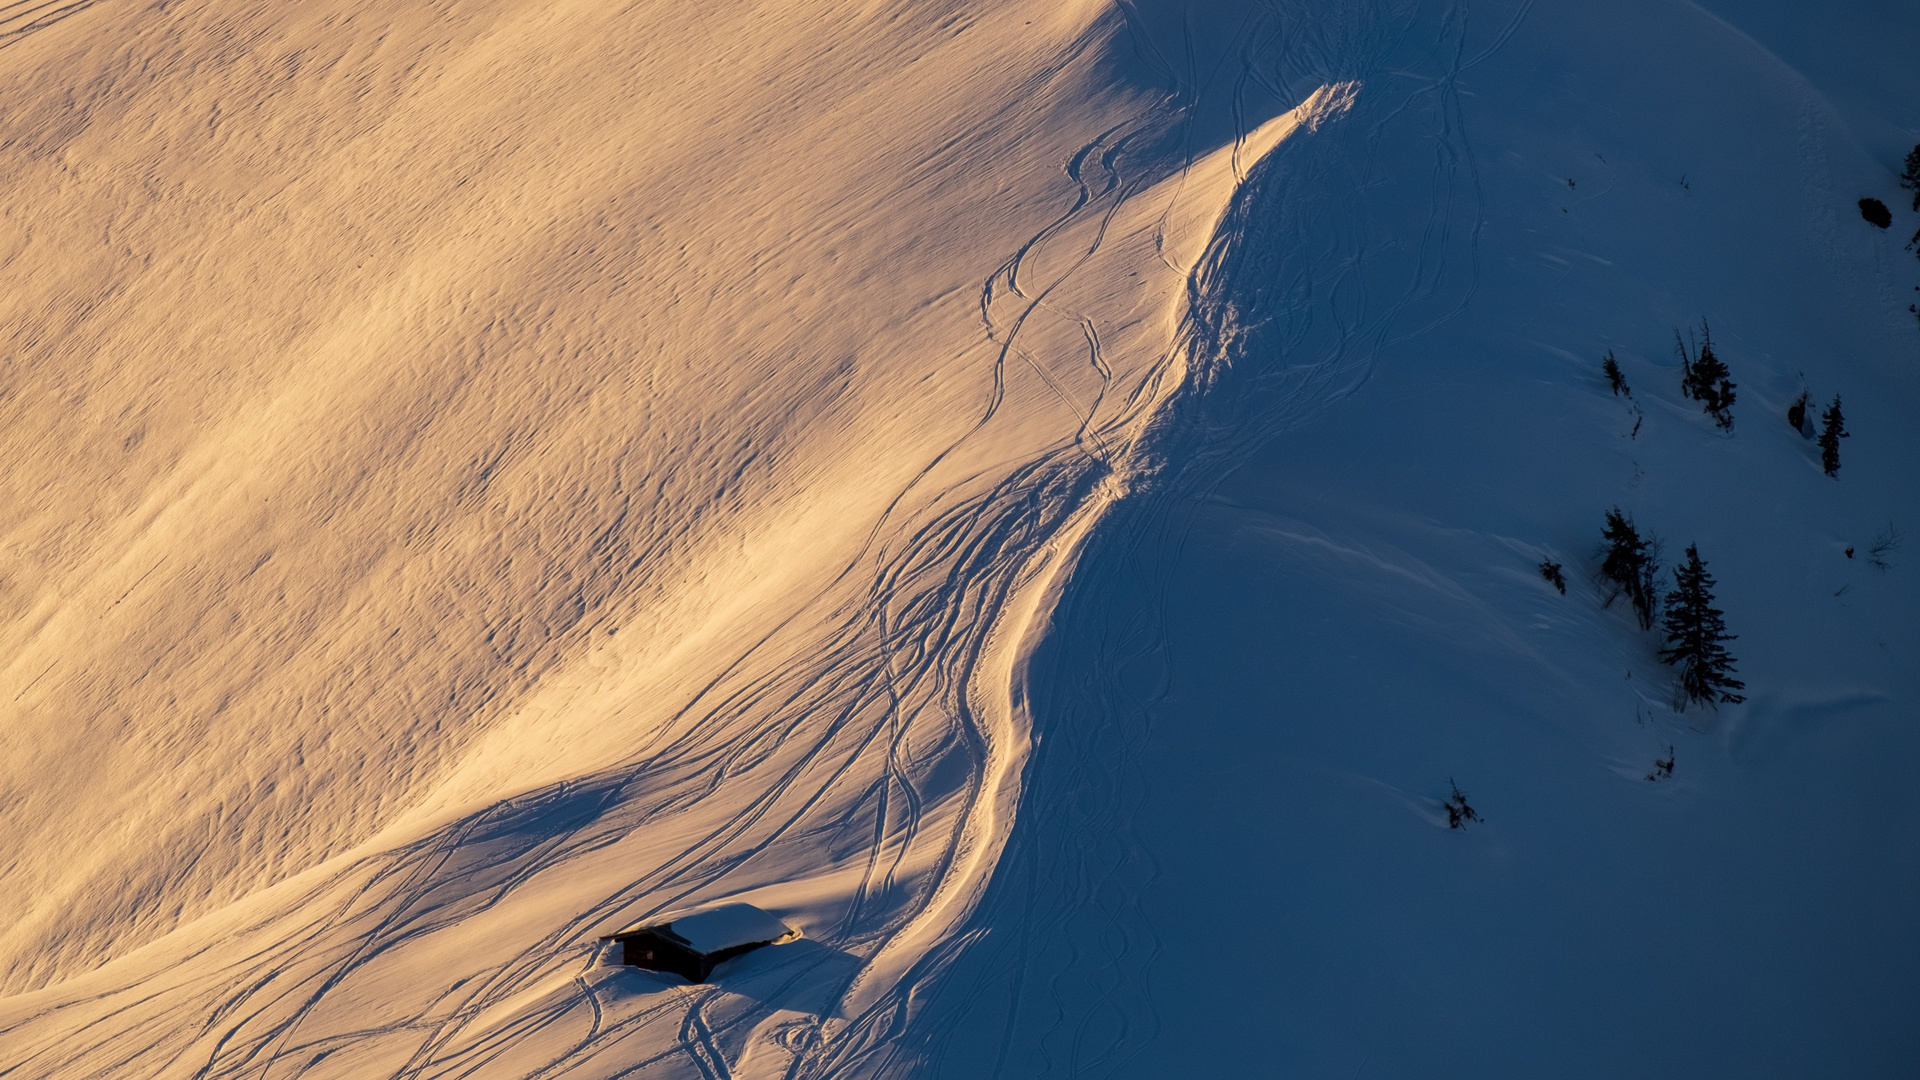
482, 474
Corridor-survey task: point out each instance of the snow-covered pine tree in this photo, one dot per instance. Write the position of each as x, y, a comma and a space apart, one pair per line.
1611, 369
1630, 564
1696, 634
1911, 177
1705, 378
1834, 429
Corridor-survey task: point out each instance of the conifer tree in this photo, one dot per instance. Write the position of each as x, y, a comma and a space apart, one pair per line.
1834, 430
1611, 368
1705, 378
1695, 639
1911, 177
1630, 564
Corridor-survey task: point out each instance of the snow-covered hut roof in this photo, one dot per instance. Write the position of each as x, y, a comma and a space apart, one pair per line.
725, 927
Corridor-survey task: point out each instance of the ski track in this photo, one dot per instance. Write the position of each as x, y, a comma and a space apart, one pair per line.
891, 680
899, 666
1285, 270
18, 20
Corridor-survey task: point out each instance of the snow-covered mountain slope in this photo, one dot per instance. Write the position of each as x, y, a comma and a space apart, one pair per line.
484, 473
1234, 858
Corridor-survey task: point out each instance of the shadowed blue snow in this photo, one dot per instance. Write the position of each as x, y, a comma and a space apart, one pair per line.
1232, 857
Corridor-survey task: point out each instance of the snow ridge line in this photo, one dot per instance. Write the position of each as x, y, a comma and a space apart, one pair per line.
946, 663
1185, 371
1287, 306
930, 664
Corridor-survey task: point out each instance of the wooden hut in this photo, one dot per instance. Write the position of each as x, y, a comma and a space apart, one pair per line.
692, 944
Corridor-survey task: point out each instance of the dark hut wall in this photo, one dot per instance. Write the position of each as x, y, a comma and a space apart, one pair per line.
653, 950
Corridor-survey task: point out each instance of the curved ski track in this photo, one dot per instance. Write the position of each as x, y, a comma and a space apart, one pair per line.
25, 17
893, 680
1282, 322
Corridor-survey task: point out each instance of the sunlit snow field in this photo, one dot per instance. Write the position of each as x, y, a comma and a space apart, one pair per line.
1044, 498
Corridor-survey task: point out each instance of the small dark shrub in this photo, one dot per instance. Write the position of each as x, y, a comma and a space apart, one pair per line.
1611, 369
1876, 212
1884, 545
1552, 572
1910, 179
1797, 414
1629, 565
1458, 812
1662, 767
1704, 377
